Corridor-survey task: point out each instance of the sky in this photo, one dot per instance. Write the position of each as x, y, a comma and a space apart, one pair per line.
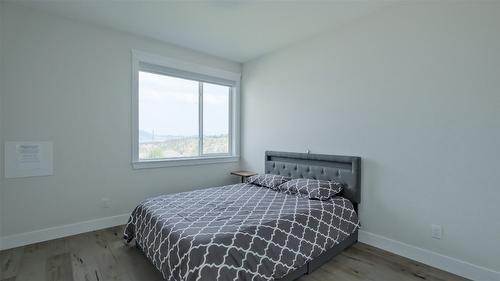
169, 106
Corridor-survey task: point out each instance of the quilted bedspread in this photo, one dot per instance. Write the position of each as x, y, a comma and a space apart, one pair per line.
237, 232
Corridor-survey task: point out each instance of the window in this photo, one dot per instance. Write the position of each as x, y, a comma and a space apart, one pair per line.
182, 117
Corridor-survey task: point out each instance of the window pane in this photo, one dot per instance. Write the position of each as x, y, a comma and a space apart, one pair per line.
168, 117
215, 118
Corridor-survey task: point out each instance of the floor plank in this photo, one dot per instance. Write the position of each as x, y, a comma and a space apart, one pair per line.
34, 259
59, 268
103, 256
10, 261
93, 259
133, 261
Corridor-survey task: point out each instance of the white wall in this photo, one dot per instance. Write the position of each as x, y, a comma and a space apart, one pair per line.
414, 91
70, 83
1, 143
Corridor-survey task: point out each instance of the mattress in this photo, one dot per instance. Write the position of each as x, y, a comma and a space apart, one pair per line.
237, 232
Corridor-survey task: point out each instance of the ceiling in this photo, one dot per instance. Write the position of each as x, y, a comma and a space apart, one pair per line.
236, 30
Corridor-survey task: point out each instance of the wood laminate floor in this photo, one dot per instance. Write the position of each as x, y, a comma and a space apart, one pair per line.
102, 256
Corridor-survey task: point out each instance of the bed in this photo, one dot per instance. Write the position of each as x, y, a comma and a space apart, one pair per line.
248, 232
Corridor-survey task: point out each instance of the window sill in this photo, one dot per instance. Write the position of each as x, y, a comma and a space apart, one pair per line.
149, 164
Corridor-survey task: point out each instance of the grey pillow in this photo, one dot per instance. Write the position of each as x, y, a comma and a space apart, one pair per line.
314, 189
268, 180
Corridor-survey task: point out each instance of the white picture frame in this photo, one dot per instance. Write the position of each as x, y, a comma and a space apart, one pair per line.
28, 159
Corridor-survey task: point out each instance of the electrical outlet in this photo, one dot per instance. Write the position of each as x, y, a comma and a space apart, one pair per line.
436, 231
105, 203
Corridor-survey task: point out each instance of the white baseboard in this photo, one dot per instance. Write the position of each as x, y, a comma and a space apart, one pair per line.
26, 238
455, 266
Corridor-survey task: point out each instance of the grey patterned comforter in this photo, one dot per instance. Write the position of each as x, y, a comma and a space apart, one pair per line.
237, 232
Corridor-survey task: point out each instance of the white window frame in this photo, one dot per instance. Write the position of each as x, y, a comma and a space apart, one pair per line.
142, 61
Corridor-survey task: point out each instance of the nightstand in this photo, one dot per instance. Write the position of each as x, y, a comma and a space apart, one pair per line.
243, 174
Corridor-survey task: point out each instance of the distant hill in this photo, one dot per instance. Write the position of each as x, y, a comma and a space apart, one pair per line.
145, 136
175, 146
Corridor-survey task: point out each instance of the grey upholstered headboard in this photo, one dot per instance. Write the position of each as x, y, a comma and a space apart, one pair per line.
346, 169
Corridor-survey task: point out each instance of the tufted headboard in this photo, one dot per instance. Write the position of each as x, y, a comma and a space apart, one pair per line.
346, 169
